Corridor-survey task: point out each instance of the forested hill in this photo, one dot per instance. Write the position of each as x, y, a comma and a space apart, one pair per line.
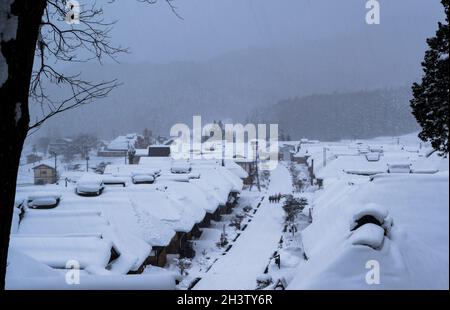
231, 86
362, 114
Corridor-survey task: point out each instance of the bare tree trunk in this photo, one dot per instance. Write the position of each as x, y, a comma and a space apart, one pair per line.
14, 112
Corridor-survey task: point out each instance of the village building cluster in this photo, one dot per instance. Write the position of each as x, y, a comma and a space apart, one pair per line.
128, 215
129, 218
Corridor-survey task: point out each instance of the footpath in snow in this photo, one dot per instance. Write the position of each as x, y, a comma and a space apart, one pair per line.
249, 256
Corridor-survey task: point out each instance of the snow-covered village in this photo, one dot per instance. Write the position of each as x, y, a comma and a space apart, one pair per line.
142, 219
245, 146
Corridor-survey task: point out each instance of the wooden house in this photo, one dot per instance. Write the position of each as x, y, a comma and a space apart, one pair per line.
158, 256
44, 174
159, 151
181, 245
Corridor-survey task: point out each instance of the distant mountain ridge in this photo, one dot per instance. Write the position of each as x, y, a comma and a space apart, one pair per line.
363, 114
231, 86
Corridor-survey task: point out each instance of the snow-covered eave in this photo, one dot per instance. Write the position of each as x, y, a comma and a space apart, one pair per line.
94, 282
180, 226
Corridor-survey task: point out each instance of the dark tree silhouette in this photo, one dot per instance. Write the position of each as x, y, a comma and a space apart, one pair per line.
431, 95
36, 35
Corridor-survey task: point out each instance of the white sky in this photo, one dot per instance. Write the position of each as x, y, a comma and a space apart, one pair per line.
214, 27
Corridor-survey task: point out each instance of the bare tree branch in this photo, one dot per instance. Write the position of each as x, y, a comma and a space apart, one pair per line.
60, 42
170, 3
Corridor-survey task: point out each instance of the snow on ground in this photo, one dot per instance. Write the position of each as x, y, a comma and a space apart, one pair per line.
207, 247
248, 258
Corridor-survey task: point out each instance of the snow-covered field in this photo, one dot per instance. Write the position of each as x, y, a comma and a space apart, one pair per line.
364, 228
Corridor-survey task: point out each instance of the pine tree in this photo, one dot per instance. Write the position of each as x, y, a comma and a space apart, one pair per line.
431, 96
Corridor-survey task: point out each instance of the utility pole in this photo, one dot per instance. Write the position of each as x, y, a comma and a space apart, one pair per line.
126, 153
256, 166
86, 152
56, 165
324, 156
56, 162
223, 152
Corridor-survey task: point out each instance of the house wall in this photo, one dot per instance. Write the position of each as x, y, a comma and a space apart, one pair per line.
206, 222
224, 209
44, 176
301, 160
228, 208
160, 257
136, 160
174, 245
180, 245
195, 233
105, 153
159, 151
216, 215
248, 180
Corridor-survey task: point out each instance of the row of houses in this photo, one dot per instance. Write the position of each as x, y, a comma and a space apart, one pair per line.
208, 188
124, 145
126, 228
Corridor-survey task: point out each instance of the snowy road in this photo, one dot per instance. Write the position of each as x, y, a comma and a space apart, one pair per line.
249, 256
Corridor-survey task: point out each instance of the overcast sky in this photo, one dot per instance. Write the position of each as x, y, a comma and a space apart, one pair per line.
213, 27
276, 49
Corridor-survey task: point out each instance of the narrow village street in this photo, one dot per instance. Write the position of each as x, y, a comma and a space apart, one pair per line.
251, 252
